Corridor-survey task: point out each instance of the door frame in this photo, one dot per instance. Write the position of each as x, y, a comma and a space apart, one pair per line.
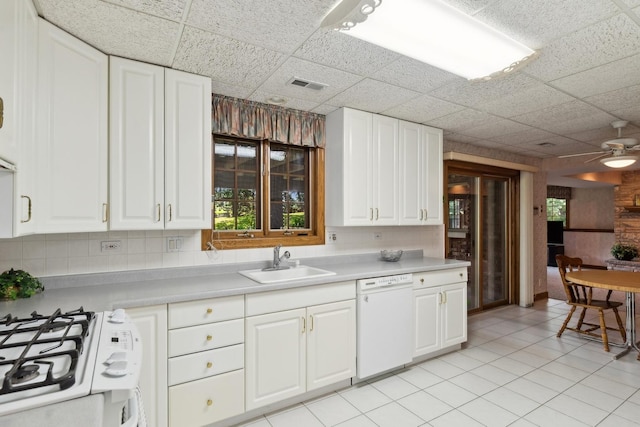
513, 218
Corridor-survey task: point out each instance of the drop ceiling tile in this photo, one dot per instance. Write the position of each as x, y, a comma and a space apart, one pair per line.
617, 99
631, 3
374, 96
477, 93
336, 80
569, 117
223, 59
526, 135
529, 99
536, 23
422, 109
415, 75
470, 7
324, 109
458, 137
497, 127
630, 113
344, 52
610, 40
115, 30
170, 9
463, 119
229, 90
294, 103
605, 78
277, 25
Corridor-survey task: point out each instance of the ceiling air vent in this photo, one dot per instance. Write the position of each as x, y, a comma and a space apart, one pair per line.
307, 84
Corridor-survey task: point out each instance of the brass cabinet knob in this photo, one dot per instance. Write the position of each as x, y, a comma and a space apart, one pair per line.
209, 310
422, 280
209, 337
209, 402
209, 364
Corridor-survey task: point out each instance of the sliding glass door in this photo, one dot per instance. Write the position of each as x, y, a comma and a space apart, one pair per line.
480, 230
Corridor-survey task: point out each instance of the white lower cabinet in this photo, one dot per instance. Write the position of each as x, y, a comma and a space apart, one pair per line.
440, 310
206, 360
152, 323
298, 350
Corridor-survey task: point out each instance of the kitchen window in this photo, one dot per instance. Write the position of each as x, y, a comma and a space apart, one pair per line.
265, 193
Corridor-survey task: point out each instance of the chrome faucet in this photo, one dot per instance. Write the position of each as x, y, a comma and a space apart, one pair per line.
277, 258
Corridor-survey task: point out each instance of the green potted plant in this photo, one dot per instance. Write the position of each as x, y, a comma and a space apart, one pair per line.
624, 252
18, 284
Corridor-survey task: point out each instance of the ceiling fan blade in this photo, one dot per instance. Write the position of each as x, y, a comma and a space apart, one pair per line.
597, 157
582, 154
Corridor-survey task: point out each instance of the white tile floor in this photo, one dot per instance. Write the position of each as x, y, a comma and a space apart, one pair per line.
512, 371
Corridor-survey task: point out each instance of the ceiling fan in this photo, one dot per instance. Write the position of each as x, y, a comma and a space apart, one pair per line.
614, 151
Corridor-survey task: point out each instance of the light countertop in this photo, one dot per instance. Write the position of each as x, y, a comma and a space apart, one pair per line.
107, 291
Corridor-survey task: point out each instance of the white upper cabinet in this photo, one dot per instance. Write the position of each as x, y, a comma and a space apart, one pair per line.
187, 150
159, 180
382, 171
18, 81
361, 178
72, 134
136, 145
420, 174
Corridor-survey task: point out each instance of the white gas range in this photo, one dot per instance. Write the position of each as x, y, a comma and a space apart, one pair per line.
79, 361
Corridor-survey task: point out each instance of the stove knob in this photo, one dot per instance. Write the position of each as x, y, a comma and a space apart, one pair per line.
117, 369
117, 316
116, 357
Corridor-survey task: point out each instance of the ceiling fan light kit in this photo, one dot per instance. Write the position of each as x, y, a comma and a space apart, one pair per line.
619, 161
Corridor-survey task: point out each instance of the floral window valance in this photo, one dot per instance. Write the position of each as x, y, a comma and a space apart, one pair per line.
249, 119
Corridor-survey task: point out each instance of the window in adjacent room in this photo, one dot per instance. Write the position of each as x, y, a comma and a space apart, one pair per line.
557, 210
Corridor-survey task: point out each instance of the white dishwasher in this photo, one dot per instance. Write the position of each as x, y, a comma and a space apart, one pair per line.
384, 323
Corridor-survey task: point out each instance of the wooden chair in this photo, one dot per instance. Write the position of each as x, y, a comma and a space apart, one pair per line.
581, 296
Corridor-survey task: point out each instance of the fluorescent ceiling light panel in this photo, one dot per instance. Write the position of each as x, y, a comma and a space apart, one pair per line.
619, 161
433, 32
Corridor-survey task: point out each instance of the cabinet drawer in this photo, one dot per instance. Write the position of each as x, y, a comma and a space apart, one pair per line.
199, 312
205, 364
205, 337
439, 278
203, 402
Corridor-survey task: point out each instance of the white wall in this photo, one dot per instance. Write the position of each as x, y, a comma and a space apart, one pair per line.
62, 254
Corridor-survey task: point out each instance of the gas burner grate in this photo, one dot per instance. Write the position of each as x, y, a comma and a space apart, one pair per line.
31, 343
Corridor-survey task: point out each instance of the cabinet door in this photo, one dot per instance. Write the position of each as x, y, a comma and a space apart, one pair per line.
72, 134
385, 170
136, 145
454, 314
152, 323
358, 174
275, 357
427, 326
331, 343
432, 178
187, 150
411, 151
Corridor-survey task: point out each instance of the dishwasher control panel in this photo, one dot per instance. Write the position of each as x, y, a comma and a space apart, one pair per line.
384, 281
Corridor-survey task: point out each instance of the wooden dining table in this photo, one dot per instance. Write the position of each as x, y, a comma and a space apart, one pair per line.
615, 280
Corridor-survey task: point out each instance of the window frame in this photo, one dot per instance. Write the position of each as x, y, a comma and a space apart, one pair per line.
314, 235
566, 215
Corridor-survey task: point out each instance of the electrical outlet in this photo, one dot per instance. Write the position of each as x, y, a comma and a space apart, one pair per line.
111, 246
332, 237
174, 244
377, 236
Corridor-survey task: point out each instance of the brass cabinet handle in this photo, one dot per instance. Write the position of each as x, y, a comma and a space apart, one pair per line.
209, 337
304, 324
28, 209
371, 214
170, 213
105, 212
1, 112
209, 365
310, 322
209, 402
159, 209
377, 216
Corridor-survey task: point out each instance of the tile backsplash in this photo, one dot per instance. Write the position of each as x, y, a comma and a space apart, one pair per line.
76, 253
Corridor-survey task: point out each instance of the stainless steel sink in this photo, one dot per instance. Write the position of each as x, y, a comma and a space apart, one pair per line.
284, 275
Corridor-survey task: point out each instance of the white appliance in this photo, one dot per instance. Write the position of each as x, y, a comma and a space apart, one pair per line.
78, 367
384, 323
